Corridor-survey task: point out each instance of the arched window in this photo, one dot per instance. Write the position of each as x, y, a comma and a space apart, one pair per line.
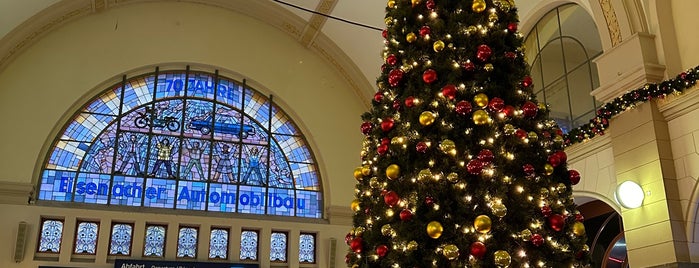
185, 140
560, 50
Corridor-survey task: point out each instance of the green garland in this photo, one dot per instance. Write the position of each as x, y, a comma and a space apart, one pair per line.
629, 100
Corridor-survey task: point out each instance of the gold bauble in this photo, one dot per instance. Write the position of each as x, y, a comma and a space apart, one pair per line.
388, 21
481, 99
493, 17
579, 228
451, 252
411, 37
366, 170
412, 245
544, 193
434, 229
478, 6
374, 182
488, 67
502, 258
387, 230
355, 265
416, 2
424, 174
480, 117
426, 118
391, 3
359, 231
398, 140
447, 146
358, 173
509, 129
561, 188
532, 136
393, 171
438, 46
499, 209
471, 29
453, 177
558, 139
542, 106
548, 169
526, 234
482, 224
355, 205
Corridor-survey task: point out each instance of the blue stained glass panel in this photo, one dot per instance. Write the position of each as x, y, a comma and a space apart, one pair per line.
309, 204
277, 252
154, 245
187, 242
230, 93
56, 185
294, 147
280, 202
160, 193
248, 245
257, 107
225, 162
279, 170
305, 176
196, 157
222, 197
218, 244
86, 126
307, 248
197, 119
120, 240
100, 157
163, 151
251, 200
50, 236
131, 154
137, 92
201, 85
191, 195
67, 155
92, 188
86, 238
254, 166
171, 85
281, 124
128, 191
107, 103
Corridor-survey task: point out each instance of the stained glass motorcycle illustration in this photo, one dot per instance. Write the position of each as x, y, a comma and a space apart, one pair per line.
151, 118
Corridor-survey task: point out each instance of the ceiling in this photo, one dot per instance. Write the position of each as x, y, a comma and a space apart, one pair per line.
361, 44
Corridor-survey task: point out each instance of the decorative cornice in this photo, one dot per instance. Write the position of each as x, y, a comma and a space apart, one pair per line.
675, 106
612, 22
15, 192
340, 215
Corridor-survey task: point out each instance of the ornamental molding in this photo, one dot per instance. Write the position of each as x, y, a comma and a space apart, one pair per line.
612, 21
16, 193
674, 106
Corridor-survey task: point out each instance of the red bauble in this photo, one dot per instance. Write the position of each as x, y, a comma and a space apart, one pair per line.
392, 59
384, 33
574, 176
382, 149
463, 107
406, 215
425, 30
394, 77
356, 244
554, 160
366, 128
562, 155
579, 217
474, 166
510, 55
391, 198
429, 76
528, 169
537, 240
430, 4
484, 52
546, 211
529, 109
387, 124
469, 66
348, 238
421, 147
509, 110
347, 258
496, 104
486, 156
512, 27
378, 97
556, 222
385, 141
396, 105
521, 133
381, 250
409, 101
478, 250
449, 91
527, 81
429, 200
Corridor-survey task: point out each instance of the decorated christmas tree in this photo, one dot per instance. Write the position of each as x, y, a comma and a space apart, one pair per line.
461, 166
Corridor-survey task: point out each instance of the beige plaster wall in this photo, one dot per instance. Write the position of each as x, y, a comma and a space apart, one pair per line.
594, 160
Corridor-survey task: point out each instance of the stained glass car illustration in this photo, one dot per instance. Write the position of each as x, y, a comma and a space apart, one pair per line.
224, 124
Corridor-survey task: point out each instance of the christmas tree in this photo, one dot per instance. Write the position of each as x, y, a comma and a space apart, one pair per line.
461, 166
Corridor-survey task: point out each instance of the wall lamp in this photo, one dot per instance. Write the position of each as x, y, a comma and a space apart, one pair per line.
629, 194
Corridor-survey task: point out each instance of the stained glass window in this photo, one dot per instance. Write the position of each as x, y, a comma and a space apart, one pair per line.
307, 248
248, 245
278, 246
120, 240
154, 244
50, 236
218, 243
184, 140
86, 237
187, 242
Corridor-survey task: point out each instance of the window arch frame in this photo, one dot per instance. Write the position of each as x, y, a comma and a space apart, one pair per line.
274, 146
